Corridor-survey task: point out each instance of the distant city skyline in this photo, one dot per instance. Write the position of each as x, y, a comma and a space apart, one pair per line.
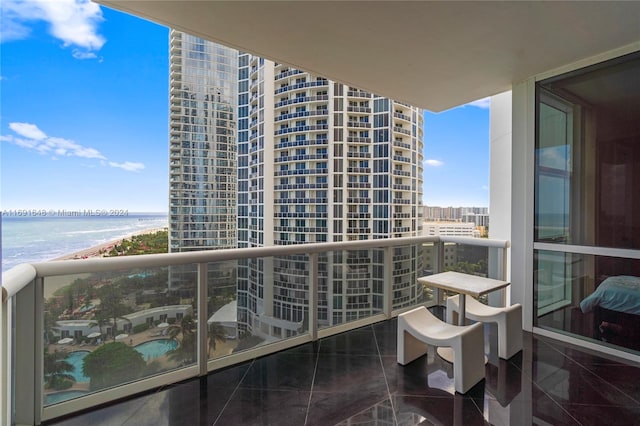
91, 132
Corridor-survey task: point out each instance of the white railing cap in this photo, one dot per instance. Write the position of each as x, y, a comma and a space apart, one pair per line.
16, 278
21, 275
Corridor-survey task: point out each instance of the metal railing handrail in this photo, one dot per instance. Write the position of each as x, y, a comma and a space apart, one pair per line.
16, 278
19, 276
470, 241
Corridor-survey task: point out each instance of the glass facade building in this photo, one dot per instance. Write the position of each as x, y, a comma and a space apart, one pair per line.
202, 144
320, 161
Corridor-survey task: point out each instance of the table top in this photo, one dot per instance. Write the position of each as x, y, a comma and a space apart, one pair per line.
457, 282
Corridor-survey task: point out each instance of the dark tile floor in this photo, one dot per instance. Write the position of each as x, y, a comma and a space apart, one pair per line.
353, 379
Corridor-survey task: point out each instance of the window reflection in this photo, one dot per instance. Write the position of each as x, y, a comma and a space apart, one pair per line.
588, 156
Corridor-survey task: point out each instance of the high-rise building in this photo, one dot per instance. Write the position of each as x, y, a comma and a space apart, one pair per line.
321, 161
202, 144
202, 158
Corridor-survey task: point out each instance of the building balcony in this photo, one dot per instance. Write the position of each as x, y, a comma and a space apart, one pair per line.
402, 187
365, 170
320, 112
311, 99
358, 154
326, 373
287, 73
358, 94
303, 142
359, 124
307, 128
298, 86
358, 185
401, 144
402, 130
356, 139
402, 116
359, 109
358, 200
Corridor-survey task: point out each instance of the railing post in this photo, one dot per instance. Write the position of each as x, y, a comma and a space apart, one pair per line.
27, 393
497, 264
313, 296
5, 362
439, 262
388, 281
203, 327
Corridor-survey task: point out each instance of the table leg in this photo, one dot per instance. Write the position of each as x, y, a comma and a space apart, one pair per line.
462, 309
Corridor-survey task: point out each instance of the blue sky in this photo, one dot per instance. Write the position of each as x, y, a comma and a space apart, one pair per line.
84, 115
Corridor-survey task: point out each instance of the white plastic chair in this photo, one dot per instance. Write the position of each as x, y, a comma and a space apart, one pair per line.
509, 320
419, 328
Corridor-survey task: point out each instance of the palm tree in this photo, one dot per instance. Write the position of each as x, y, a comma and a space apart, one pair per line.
216, 334
57, 369
112, 308
185, 353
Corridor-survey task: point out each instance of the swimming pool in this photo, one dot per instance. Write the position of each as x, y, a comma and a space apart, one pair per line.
54, 398
76, 360
156, 348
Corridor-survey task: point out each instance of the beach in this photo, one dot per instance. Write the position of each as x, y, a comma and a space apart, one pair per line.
101, 249
53, 284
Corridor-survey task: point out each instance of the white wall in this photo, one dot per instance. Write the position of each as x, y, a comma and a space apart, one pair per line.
522, 175
500, 167
500, 139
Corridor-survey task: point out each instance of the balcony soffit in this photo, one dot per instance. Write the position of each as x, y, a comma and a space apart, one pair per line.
435, 55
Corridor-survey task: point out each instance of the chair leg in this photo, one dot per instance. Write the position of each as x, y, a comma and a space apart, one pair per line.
510, 333
409, 348
468, 365
452, 310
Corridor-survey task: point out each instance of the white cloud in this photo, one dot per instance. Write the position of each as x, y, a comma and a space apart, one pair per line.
128, 166
484, 103
34, 138
74, 22
484, 188
433, 163
31, 137
28, 130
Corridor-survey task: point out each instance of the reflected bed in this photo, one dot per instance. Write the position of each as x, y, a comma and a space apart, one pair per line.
620, 293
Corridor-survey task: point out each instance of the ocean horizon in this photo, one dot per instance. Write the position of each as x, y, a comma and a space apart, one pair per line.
30, 239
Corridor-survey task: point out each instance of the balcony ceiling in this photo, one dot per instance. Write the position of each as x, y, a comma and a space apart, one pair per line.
435, 55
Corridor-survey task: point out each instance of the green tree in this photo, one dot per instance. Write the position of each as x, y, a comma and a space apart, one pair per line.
57, 370
112, 308
112, 364
216, 334
185, 353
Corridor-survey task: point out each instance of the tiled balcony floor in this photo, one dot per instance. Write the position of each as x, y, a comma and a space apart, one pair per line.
353, 379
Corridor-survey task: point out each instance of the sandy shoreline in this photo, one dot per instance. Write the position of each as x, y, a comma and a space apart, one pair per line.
101, 249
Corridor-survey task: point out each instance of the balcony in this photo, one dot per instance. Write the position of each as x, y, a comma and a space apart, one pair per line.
192, 282
401, 130
359, 124
359, 109
353, 378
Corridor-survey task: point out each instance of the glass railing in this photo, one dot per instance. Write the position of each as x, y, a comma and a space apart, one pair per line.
94, 330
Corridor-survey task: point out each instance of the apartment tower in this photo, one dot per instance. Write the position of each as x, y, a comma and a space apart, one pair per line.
202, 155
202, 144
321, 161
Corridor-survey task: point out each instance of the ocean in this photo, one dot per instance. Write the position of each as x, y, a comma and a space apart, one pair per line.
36, 239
